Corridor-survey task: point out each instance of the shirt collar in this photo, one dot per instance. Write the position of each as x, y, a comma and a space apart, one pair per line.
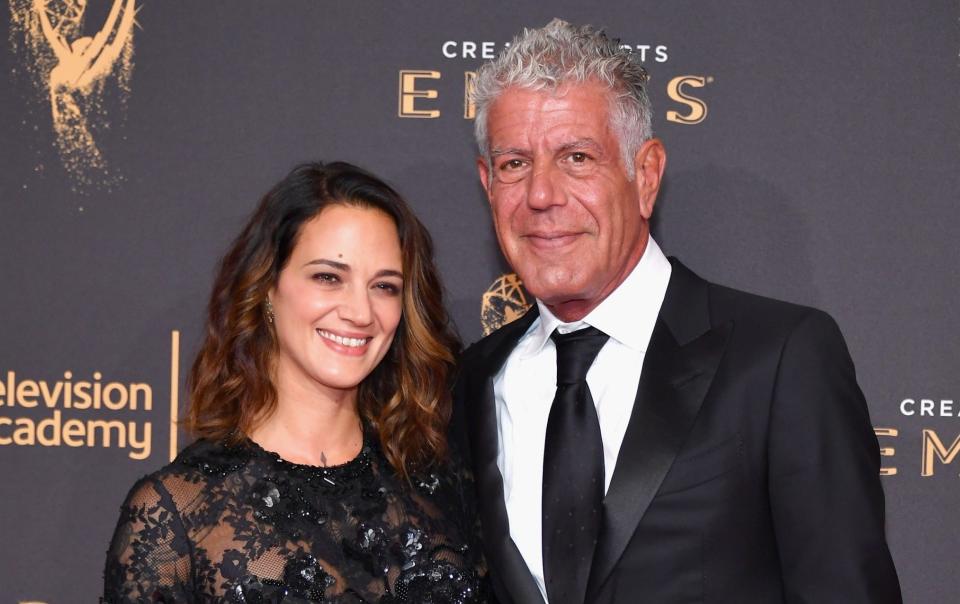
627, 315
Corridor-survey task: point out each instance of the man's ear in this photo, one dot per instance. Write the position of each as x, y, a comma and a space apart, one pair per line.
484, 169
649, 164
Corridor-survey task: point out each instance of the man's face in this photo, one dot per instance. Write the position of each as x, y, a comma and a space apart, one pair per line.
569, 220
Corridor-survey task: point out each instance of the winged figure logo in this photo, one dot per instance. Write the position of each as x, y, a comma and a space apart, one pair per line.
75, 67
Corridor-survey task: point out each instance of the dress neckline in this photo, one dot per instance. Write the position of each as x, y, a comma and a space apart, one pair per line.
332, 474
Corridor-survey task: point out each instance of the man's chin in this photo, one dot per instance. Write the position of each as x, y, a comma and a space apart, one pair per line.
553, 291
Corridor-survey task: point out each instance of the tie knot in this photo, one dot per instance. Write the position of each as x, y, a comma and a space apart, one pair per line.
576, 351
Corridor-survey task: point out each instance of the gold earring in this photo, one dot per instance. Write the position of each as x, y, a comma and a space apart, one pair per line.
270, 315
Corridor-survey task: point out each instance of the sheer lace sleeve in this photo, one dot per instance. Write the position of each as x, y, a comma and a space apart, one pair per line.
149, 555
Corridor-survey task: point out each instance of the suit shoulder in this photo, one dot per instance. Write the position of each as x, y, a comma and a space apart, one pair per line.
765, 313
474, 349
483, 345
513, 330
474, 354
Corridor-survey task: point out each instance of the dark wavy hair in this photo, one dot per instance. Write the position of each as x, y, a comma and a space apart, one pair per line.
406, 399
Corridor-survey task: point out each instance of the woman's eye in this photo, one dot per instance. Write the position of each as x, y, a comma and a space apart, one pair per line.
388, 288
326, 278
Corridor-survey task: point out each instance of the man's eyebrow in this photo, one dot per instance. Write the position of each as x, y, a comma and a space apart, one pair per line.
332, 263
580, 143
498, 151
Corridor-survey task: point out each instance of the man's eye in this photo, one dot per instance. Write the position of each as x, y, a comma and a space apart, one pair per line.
512, 164
579, 157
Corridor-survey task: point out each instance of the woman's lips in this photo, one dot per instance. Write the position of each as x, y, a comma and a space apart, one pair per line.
345, 344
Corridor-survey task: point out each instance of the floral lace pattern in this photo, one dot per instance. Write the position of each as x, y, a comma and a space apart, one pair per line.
239, 524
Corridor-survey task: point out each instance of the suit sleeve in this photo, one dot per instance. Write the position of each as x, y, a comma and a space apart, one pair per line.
824, 461
457, 429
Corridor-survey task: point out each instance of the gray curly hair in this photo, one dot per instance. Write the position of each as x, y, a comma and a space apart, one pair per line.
560, 53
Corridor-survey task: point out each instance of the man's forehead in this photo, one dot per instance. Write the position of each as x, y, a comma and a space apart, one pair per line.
575, 116
523, 104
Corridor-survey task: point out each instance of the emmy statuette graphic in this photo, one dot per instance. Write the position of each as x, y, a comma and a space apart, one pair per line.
503, 302
76, 69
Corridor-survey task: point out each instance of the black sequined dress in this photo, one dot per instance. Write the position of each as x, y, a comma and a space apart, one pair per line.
240, 524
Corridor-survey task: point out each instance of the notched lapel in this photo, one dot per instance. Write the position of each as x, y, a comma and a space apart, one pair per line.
507, 565
673, 383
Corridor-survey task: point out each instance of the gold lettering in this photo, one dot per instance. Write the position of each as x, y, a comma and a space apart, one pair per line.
697, 108
5, 421
73, 431
97, 389
24, 434
409, 93
105, 427
887, 451
115, 405
147, 396
54, 424
27, 393
11, 380
140, 448
3, 393
67, 391
933, 446
469, 107
82, 390
50, 398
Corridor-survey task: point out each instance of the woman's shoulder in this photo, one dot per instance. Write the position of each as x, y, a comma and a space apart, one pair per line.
192, 473
206, 459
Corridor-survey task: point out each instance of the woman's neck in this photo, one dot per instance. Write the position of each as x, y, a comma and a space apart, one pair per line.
312, 424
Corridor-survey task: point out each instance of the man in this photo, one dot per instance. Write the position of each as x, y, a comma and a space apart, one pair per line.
642, 435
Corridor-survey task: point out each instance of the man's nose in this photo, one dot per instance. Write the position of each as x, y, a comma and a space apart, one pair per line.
543, 191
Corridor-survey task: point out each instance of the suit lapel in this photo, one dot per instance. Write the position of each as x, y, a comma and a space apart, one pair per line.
678, 368
507, 565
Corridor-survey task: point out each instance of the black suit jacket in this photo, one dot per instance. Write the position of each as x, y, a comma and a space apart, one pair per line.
749, 471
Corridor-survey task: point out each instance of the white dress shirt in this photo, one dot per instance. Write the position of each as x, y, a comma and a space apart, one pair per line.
526, 384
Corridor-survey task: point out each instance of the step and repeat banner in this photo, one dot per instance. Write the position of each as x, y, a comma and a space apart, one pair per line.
813, 156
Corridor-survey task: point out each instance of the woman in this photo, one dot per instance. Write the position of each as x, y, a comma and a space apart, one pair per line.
320, 399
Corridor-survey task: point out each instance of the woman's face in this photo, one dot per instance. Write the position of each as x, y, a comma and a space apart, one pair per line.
337, 302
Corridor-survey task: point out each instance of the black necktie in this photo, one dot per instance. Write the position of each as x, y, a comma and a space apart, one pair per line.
572, 471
